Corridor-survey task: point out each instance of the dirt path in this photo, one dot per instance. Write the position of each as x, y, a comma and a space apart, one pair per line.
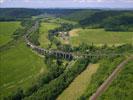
108, 81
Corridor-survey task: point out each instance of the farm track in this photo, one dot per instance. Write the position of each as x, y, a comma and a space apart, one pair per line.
109, 80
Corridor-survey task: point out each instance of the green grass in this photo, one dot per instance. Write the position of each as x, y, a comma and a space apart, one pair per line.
6, 31
19, 67
105, 69
100, 37
80, 83
122, 87
45, 27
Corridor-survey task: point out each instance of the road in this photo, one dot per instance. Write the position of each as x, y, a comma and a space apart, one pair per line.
108, 81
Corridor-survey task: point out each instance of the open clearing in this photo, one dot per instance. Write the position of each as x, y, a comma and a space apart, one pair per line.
6, 31
23, 72
100, 36
45, 27
79, 85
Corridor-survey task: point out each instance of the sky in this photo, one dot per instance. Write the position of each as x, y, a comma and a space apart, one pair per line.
66, 3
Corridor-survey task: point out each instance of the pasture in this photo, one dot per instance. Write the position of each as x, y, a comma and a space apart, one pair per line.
6, 31
45, 27
99, 37
19, 67
80, 83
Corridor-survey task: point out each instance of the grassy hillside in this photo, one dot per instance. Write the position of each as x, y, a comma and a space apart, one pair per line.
121, 88
19, 67
79, 84
100, 36
45, 27
6, 31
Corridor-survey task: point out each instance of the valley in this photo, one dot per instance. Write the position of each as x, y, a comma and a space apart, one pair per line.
65, 55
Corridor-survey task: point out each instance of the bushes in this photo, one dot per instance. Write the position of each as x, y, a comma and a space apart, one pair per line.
54, 88
34, 38
18, 95
105, 69
121, 87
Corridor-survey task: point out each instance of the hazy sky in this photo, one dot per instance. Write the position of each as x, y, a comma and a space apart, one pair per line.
67, 3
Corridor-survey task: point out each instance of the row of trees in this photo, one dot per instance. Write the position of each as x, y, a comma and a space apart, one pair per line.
55, 69
55, 87
105, 69
107, 65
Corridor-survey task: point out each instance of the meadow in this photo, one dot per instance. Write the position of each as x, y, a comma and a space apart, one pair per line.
100, 37
19, 67
79, 84
6, 31
45, 27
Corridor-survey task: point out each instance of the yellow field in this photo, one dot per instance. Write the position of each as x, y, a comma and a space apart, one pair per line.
79, 85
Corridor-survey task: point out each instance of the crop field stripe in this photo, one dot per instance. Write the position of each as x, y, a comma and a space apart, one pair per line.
80, 83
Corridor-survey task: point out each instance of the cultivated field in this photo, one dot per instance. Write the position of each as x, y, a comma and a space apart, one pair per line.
45, 27
100, 37
19, 67
6, 31
80, 83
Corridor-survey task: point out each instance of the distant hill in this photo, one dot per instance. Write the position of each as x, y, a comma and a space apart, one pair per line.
9, 14
80, 14
99, 17
110, 20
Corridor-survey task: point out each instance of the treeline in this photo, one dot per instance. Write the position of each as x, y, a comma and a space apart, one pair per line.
13, 14
80, 15
55, 87
32, 30
25, 26
107, 65
50, 85
110, 20
122, 22
105, 69
55, 69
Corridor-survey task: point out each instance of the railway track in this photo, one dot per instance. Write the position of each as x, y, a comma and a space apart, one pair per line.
109, 80
58, 53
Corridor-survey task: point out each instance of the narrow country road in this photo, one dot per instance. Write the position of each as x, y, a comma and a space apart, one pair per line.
108, 81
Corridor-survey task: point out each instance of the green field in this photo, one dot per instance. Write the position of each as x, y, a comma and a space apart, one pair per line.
45, 27
80, 83
100, 37
19, 67
6, 31
122, 87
